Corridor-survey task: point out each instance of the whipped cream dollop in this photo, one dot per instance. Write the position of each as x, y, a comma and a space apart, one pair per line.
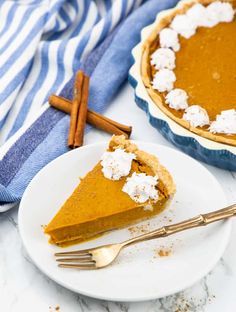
141, 187
196, 116
169, 39
198, 14
164, 80
177, 99
225, 122
225, 11
183, 25
116, 164
217, 12
163, 58
211, 15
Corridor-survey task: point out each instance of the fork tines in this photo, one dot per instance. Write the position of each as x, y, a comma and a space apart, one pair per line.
79, 260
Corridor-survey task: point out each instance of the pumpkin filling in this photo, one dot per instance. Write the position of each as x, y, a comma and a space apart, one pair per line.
98, 205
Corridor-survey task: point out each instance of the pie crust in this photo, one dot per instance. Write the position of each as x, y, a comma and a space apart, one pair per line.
150, 46
98, 204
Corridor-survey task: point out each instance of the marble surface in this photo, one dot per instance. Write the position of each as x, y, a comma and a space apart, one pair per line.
24, 288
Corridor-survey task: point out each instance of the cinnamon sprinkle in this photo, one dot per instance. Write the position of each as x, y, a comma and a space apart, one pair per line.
139, 229
164, 253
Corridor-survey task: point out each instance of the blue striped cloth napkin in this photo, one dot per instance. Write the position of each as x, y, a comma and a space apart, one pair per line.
42, 44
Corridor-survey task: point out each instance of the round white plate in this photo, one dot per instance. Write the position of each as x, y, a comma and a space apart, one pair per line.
139, 273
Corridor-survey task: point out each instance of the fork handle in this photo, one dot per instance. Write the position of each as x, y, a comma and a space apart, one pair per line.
200, 220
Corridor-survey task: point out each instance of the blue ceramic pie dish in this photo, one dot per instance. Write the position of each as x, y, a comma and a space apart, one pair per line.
208, 151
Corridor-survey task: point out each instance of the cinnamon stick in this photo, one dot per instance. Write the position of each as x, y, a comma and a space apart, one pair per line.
60, 103
122, 127
99, 121
104, 125
79, 134
78, 85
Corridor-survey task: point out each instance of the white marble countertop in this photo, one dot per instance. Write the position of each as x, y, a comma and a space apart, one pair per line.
24, 288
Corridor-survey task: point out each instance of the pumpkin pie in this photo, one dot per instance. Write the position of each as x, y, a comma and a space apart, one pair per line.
189, 67
127, 185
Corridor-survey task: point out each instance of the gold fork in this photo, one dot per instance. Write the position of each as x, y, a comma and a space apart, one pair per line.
102, 256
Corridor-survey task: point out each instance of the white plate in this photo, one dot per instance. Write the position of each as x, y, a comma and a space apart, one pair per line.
139, 273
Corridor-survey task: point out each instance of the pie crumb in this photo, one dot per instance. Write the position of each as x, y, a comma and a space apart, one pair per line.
57, 308
162, 252
139, 229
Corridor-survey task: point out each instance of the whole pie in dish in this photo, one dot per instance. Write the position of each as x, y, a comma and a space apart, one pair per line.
189, 67
127, 185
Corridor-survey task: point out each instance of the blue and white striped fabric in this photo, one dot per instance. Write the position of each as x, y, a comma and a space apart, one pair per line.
42, 44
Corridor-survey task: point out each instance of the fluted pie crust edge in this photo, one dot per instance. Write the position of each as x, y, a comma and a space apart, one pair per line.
163, 20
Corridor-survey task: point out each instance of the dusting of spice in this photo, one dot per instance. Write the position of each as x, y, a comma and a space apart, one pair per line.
164, 253
139, 229
57, 308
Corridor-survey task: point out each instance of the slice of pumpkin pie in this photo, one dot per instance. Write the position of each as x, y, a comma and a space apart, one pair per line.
126, 186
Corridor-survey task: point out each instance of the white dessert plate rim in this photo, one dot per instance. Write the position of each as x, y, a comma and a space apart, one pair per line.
136, 264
